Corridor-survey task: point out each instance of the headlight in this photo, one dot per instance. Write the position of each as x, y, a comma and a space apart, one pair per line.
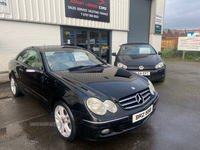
96, 106
159, 65
110, 106
100, 108
151, 88
120, 65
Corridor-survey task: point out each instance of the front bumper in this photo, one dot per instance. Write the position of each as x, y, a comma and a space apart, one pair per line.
155, 75
93, 130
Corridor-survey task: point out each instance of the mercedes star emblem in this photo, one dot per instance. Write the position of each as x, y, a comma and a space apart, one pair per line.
139, 99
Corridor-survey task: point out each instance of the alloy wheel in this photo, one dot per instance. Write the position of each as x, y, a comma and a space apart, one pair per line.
13, 86
63, 121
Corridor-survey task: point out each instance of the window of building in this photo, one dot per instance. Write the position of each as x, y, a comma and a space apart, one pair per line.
68, 36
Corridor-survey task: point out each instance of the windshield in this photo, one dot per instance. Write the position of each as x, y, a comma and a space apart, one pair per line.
64, 60
137, 50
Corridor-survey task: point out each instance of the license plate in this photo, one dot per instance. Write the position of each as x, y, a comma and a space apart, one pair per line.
141, 115
143, 73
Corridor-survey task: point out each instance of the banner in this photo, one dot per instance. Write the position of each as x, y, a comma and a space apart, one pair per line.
189, 43
97, 10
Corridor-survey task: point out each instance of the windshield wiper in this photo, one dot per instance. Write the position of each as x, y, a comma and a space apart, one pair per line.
84, 67
73, 68
80, 67
99, 65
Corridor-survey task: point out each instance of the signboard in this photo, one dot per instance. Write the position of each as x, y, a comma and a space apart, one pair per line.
189, 43
144, 50
80, 56
158, 20
158, 29
4, 6
97, 10
158, 24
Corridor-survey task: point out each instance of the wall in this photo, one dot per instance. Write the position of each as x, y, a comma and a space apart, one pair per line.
157, 8
53, 12
118, 38
15, 36
156, 42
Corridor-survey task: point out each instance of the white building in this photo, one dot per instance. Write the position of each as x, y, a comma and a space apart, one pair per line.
26, 23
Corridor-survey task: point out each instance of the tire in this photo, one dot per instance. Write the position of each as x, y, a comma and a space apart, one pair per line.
65, 121
14, 87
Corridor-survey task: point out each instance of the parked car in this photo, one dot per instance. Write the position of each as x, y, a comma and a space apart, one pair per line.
141, 59
86, 96
104, 49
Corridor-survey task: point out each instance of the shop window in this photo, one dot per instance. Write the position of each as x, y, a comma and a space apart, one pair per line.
68, 36
105, 45
81, 38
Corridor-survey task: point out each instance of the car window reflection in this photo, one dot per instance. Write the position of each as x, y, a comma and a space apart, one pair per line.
136, 50
64, 60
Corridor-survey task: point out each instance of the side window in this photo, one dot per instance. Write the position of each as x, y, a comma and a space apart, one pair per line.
23, 56
31, 58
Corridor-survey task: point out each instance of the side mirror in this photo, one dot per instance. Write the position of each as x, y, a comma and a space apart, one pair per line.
104, 61
160, 53
114, 54
33, 70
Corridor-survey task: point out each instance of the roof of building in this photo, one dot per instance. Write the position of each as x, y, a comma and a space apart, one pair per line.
173, 30
165, 30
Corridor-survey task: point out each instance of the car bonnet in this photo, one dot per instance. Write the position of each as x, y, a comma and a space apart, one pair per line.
111, 81
136, 60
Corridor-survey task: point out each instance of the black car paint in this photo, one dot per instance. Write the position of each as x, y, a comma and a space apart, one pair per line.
49, 87
148, 61
136, 60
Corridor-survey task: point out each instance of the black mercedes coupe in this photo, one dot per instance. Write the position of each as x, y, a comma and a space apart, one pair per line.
141, 59
86, 96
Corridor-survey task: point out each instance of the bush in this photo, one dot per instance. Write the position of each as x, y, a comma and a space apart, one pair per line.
175, 54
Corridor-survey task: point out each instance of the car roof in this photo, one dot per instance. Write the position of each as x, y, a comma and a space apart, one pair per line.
136, 44
55, 47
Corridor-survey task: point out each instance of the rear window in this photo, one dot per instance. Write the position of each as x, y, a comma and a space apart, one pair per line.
137, 50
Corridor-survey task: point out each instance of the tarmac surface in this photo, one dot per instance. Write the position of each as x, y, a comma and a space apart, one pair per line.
174, 126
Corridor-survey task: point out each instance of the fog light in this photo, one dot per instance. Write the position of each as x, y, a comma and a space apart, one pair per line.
105, 131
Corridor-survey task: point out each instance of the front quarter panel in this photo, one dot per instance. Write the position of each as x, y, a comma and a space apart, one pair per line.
56, 89
12, 66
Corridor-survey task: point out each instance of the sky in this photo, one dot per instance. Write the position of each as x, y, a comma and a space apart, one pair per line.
182, 14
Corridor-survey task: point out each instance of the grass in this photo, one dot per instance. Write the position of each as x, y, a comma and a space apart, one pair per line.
166, 51
175, 54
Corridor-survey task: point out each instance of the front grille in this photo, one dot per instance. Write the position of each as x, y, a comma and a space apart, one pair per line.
137, 68
132, 102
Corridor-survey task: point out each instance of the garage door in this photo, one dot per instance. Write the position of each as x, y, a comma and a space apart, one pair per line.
139, 24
